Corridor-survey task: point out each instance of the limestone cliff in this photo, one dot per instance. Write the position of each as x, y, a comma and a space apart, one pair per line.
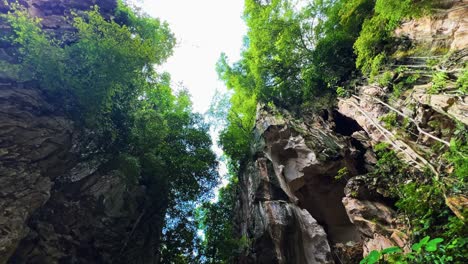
59, 202
295, 204
294, 208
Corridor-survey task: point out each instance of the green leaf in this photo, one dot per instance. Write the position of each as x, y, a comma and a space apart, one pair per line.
416, 246
373, 257
410, 256
391, 250
432, 245
420, 244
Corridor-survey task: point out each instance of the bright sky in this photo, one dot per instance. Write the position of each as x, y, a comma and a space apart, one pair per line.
204, 29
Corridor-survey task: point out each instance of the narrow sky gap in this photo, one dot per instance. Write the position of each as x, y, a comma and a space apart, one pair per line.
203, 29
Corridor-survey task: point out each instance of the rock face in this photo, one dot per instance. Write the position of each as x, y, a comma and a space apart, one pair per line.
281, 231
367, 111
375, 220
292, 208
54, 14
34, 141
453, 106
59, 201
447, 29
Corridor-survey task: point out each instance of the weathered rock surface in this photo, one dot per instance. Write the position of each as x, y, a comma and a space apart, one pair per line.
34, 142
448, 28
54, 15
376, 221
86, 222
366, 112
280, 231
57, 204
451, 105
291, 205
367, 109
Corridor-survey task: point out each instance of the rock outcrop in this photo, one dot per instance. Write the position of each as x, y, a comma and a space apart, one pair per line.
447, 29
293, 207
35, 142
376, 221
58, 204
55, 15
452, 105
59, 200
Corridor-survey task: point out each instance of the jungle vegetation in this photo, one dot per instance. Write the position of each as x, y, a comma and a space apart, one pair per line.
296, 57
300, 58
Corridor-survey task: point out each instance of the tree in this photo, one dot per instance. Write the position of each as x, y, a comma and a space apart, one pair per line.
220, 244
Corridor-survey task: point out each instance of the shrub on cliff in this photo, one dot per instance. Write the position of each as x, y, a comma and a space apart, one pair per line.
292, 57
375, 39
105, 64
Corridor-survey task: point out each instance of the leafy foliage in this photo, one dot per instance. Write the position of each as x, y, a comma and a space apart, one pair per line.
458, 153
390, 120
462, 81
375, 39
425, 251
439, 82
239, 111
90, 80
216, 219
291, 57
341, 92
385, 79
421, 199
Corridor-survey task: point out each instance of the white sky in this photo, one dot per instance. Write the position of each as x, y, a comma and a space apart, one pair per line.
203, 29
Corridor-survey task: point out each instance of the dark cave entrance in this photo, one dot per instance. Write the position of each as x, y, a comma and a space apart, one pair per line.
322, 197
344, 125
315, 185
321, 194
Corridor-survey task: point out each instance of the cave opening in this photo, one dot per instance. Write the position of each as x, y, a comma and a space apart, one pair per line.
315, 185
322, 197
344, 125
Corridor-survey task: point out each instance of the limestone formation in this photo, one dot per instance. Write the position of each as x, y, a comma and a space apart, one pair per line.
291, 205
446, 29
35, 142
